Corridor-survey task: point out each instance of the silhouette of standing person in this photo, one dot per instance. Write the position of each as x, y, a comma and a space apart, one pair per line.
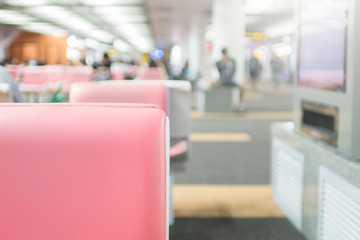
227, 69
254, 70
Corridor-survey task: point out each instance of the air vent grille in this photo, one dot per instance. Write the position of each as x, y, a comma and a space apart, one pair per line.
288, 175
339, 215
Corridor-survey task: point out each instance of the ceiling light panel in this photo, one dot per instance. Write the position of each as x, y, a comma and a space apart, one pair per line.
120, 45
63, 17
142, 44
44, 28
110, 2
78, 24
118, 19
83, 10
91, 43
25, 3
127, 10
122, 14
257, 6
138, 35
133, 29
101, 35
14, 18
135, 26
48, 10
66, 2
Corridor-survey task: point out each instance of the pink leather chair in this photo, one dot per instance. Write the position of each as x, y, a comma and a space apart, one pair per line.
78, 74
133, 92
54, 73
119, 93
15, 71
83, 171
117, 72
133, 70
136, 92
151, 74
83, 73
33, 82
34, 74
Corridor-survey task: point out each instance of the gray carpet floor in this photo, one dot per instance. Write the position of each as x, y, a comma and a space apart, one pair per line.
234, 229
229, 163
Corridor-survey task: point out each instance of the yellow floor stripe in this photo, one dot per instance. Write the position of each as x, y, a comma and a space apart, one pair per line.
254, 96
220, 137
266, 115
230, 201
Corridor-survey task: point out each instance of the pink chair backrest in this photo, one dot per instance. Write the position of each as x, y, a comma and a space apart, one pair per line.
151, 74
133, 70
15, 71
84, 73
117, 73
119, 93
78, 74
82, 172
54, 73
34, 74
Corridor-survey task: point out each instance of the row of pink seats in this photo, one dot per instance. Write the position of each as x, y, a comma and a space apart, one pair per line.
117, 72
83, 171
140, 73
70, 74
151, 74
15, 71
50, 73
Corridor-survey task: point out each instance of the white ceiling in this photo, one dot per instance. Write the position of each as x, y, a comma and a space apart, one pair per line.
276, 13
170, 19
135, 24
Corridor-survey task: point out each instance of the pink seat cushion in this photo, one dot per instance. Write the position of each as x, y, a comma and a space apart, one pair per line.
179, 148
120, 93
82, 172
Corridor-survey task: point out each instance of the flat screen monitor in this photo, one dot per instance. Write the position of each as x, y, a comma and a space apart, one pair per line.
322, 44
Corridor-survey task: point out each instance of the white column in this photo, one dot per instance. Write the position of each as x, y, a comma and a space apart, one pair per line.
229, 32
196, 51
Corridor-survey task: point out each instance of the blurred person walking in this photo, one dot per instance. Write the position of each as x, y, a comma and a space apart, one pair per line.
254, 71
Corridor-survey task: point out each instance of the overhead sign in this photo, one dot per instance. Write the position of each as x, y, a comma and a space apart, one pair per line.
256, 36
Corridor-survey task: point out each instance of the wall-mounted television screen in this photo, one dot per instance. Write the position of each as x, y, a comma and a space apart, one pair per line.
322, 44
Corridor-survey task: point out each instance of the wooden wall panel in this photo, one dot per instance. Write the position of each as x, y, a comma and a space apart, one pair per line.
30, 50
52, 53
33, 46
